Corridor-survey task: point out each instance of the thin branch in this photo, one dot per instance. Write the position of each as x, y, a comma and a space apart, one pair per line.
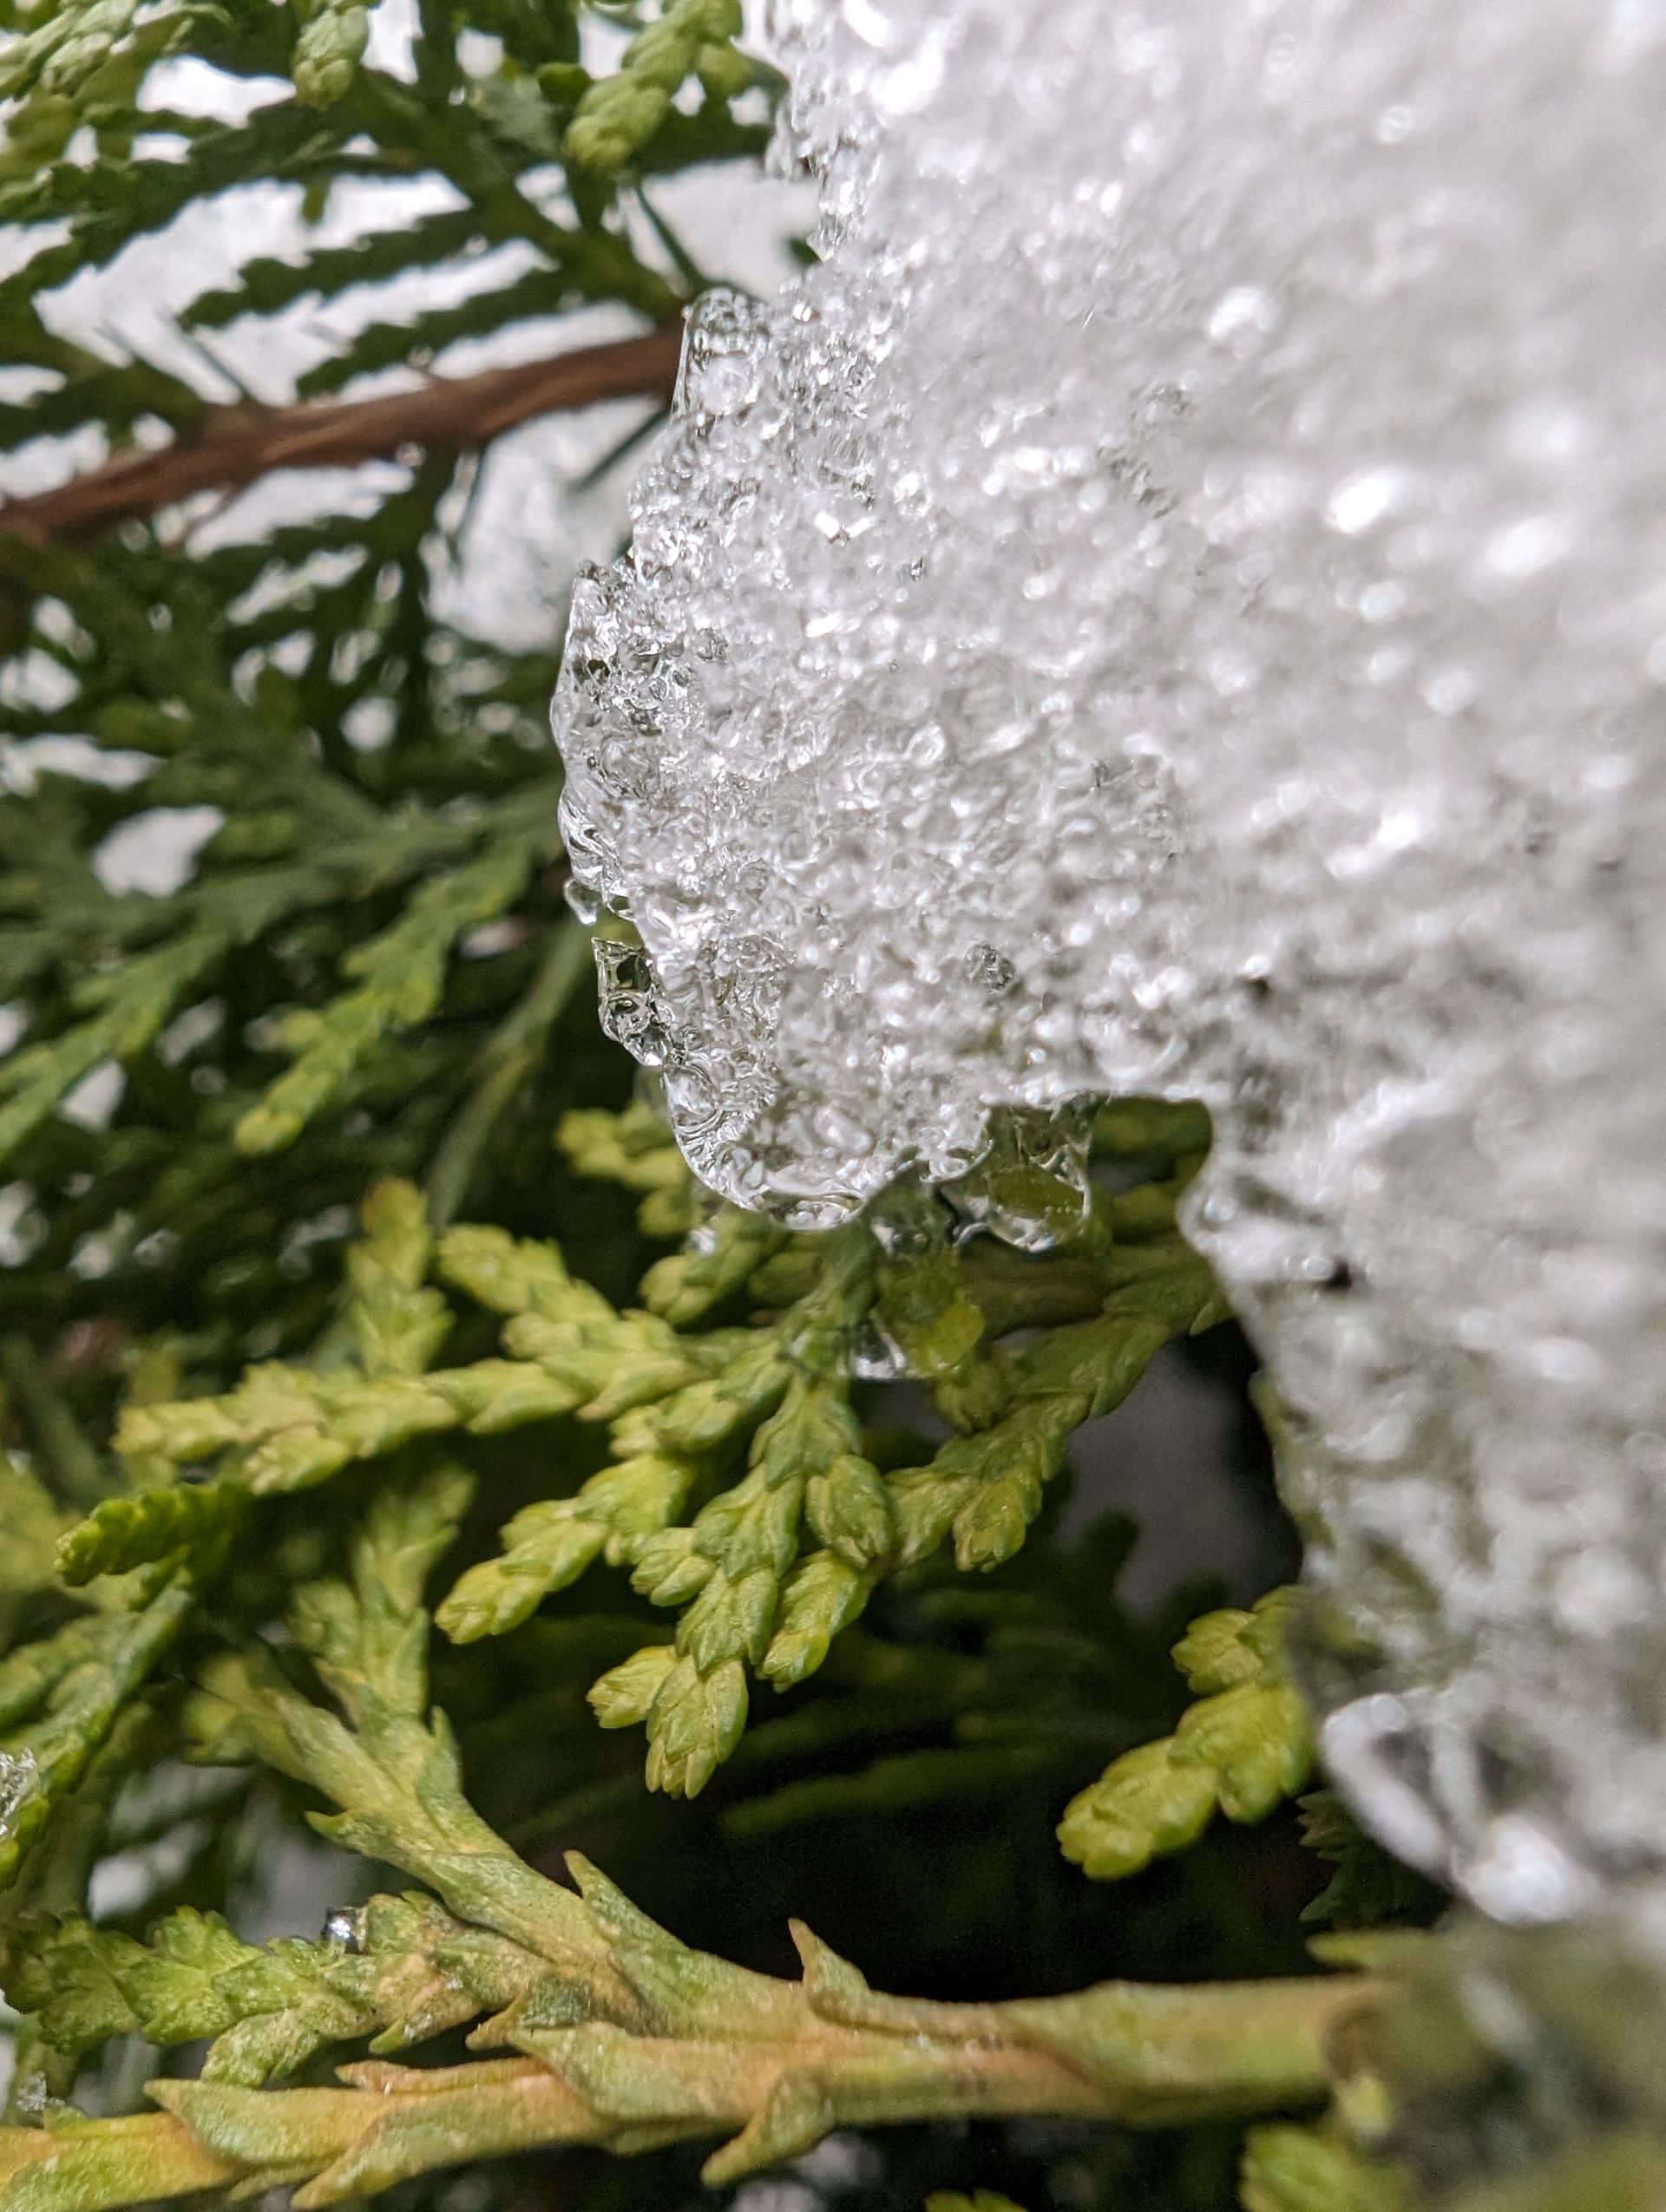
237, 445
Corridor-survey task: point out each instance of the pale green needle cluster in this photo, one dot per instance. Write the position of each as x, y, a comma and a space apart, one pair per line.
1242, 1748
739, 1491
692, 38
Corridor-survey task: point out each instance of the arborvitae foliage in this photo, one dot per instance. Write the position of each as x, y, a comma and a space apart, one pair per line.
345, 1276
365, 968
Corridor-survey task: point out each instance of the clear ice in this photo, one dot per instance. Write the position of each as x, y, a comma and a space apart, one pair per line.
1176, 600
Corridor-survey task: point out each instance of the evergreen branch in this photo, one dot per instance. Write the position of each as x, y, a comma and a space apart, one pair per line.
985, 1488
398, 1969
73, 2164
506, 1064
721, 1256
526, 296
126, 1007
774, 2064
234, 446
34, 1524
1242, 1750
790, 1393
628, 2038
397, 1321
123, 1533
402, 975
1368, 1889
325, 60
591, 260
72, 50
127, 1011
272, 282
382, 784
392, 1771
77, 1469
617, 118
68, 1693
770, 1569
53, 1883
751, 1598
625, 2039
289, 1427
635, 1149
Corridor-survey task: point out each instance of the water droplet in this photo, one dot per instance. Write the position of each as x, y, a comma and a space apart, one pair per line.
1031, 1188
344, 1926
875, 1356
584, 900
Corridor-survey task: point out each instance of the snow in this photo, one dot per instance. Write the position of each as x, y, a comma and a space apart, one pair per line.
1177, 600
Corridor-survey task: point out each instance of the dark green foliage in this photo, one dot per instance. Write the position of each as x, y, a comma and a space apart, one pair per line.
1369, 1888
61, 1699
332, 1028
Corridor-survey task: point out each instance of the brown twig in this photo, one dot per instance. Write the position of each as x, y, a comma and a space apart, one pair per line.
236, 445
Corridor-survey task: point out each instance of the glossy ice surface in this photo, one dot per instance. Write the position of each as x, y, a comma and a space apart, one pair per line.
1177, 599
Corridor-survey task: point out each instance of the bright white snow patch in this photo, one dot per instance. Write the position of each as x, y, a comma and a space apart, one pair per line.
155, 852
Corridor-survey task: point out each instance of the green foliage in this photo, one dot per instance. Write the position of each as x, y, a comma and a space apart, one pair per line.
61, 1699
334, 34
800, 1517
981, 2200
617, 118
634, 1148
123, 1533
386, 780
399, 1971
1243, 1748
237, 1437
1306, 2170
402, 979
1369, 1888
33, 1522
793, 1525
628, 2037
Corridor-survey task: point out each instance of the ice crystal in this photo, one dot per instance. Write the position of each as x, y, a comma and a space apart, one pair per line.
20, 1781
1177, 599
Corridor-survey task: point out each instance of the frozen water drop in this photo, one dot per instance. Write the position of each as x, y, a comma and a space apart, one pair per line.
875, 1356
988, 966
1031, 1188
20, 1781
344, 1926
630, 1007
584, 901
